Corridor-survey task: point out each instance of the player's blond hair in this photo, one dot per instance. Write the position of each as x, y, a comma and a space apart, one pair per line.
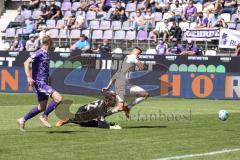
46, 40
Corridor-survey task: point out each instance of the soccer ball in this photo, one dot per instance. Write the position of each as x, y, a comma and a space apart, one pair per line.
223, 115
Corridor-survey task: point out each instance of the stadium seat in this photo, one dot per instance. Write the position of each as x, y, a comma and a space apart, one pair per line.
210, 53
20, 31
53, 33
142, 35
67, 14
104, 25
131, 35
94, 24
50, 23
238, 27
59, 4
75, 6
75, 33
63, 33
91, 15
226, 17
66, 6
60, 23
97, 34
233, 17
150, 35
131, 7
231, 25
151, 51
116, 25
140, 6
108, 34
157, 16
27, 14
119, 35
36, 14
10, 32
125, 25
86, 32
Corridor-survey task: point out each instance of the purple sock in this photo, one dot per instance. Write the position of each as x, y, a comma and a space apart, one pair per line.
52, 105
31, 114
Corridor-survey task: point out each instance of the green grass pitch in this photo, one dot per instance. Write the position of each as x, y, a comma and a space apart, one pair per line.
159, 128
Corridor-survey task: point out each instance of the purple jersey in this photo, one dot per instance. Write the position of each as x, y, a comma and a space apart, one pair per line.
190, 10
40, 66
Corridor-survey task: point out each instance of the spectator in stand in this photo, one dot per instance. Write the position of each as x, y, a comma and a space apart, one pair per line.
30, 26
175, 48
190, 49
33, 4
18, 44
161, 48
45, 11
149, 4
31, 44
213, 19
139, 22
177, 12
216, 8
43, 32
80, 21
20, 18
149, 17
55, 11
106, 5
118, 13
175, 32
94, 6
221, 24
81, 44
161, 6
229, 6
237, 51
70, 21
190, 12
162, 30
237, 19
201, 22
105, 47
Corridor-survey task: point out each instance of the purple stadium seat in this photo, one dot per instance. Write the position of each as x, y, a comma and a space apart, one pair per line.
94, 24
86, 32
27, 14
91, 15
60, 23
126, 25
108, 34
140, 6
20, 31
66, 6
231, 25
234, 16
75, 33
63, 33
50, 23
142, 35
119, 35
36, 13
105, 25
157, 16
150, 36
67, 14
97, 34
53, 33
10, 32
116, 25
131, 35
131, 7
75, 5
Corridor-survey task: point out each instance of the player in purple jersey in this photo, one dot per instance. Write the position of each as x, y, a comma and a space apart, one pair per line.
40, 81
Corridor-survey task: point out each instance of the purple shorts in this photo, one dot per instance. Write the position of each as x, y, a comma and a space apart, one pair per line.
43, 90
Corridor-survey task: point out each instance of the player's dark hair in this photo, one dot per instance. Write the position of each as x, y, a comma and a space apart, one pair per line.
46, 40
139, 49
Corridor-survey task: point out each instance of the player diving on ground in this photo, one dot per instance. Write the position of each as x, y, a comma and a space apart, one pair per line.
120, 81
92, 114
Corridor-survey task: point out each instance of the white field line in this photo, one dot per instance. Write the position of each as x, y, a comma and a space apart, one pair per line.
200, 154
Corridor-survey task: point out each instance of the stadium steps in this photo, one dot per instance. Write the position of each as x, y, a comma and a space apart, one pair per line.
8, 16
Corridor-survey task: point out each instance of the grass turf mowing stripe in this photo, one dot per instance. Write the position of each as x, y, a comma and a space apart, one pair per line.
200, 154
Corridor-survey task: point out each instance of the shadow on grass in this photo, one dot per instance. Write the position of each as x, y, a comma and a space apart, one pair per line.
132, 127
